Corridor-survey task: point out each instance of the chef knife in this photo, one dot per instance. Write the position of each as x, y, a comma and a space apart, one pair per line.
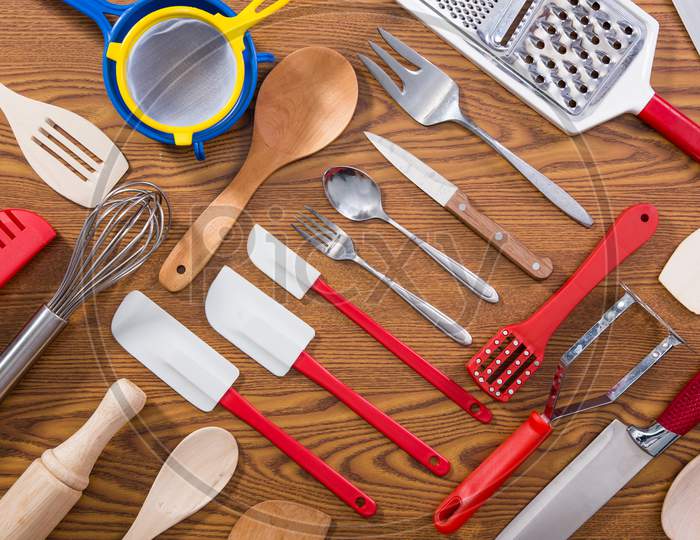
297, 276
448, 195
689, 10
601, 470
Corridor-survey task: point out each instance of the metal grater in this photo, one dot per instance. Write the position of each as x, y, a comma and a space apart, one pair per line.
568, 51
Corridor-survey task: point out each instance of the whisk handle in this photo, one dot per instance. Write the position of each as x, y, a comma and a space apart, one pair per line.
27, 346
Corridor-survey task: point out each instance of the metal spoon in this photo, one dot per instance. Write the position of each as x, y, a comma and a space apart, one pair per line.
357, 197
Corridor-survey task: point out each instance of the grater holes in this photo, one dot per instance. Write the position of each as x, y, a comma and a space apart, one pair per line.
572, 103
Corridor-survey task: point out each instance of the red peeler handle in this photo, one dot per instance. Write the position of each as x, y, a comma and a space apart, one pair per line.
404, 353
383, 423
673, 124
311, 463
683, 413
631, 230
488, 477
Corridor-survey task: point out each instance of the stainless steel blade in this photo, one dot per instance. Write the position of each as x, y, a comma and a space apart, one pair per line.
431, 182
689, 10
581, 489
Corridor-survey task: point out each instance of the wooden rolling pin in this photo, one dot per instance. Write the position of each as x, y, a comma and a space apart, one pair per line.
53, 483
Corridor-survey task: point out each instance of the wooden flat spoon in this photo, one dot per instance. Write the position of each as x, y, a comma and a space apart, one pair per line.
281, 520
304, 104
194, 473
680, 517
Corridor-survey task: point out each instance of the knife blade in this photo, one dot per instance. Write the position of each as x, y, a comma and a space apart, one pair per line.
601, 470
690, 15
448, 195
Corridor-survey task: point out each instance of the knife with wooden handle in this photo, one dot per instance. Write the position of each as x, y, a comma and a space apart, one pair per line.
448, 195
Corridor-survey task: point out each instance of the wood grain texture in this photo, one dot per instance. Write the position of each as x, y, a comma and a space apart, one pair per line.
52, 53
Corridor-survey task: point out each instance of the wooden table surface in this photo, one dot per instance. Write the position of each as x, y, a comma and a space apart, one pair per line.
52, 53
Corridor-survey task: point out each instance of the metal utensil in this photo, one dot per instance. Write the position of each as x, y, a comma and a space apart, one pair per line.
118, 237
22, 235
205, 378
431, 97
357, 197
277, 340
449, 196
688, 10
297, 276
516, 352
578, 63
335, 243
490, 475
601, 470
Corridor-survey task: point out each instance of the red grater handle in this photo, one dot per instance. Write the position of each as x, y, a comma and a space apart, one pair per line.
683, 413
490, 475
673, 124
310, 462
631, 230
404, 353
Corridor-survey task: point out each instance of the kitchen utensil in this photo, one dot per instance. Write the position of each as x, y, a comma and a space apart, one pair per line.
516, 352
449, 196
578, 63
297, 276
281, 520
53, 483
117, 238
277, 339
679, 516
681, 275
335, 243
204, 378
490, 475
303, 105
357, 197
73, 156
601, 470
431, 97
688, 10
23, 234
192, 476
179, 71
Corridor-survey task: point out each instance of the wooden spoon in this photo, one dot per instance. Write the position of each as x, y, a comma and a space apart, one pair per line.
680, 517
281, 520
194, 473
304, 104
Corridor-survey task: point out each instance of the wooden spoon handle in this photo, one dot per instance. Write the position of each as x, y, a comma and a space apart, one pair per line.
533, 265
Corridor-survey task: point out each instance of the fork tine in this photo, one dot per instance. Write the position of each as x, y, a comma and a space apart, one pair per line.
326, 221
395, 65
404, 50
382, 78
317, 230
310, 239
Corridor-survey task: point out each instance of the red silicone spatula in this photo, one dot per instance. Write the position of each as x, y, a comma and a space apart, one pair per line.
22, 235
513, 355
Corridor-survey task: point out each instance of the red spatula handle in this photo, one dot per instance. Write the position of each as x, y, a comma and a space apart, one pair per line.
485, 480
673, 124
404, 353
311, 463
377, 418
683, 413
631, 230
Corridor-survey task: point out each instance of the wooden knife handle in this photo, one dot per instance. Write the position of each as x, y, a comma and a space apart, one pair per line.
52, 484
533, 265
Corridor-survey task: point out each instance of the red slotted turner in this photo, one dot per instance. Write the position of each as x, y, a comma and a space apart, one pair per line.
22, 235
513, 355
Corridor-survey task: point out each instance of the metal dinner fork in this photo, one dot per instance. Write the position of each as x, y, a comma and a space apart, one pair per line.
335, 243
431, 97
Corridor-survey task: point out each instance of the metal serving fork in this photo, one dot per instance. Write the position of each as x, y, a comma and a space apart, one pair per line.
335, 243
431, 97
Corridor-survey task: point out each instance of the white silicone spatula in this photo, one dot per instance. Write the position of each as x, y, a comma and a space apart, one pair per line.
681, 275
194, 473
74, 157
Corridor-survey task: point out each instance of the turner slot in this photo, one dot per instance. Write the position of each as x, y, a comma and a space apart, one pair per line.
58, 156
10, 214
94, 157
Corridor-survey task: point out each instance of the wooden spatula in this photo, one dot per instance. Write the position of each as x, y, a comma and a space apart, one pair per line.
194, 473
281, 520
303, 105
680, 517
74, 157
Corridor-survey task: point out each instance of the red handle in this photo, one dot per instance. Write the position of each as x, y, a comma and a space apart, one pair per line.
673, 124
683, 413
311, 463
381, 421
404, 353
485, 480
631, 230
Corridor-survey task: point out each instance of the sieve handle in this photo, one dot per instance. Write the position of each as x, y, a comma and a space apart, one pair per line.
96, 10
250, 16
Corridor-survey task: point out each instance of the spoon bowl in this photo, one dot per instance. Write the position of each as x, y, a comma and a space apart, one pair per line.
354, 194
